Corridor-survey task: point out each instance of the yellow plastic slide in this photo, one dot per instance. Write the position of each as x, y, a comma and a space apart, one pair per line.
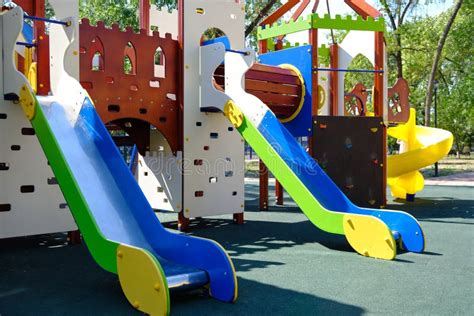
421, 146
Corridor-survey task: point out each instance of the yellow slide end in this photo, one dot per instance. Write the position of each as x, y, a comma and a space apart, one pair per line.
142, 280
369, 236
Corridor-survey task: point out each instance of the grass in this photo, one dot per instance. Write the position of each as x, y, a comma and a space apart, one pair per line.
451, 165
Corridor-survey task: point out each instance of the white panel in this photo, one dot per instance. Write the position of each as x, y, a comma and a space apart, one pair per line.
64, 59
355, 42
159, 175
167, 22
211, 57
1, 58
223, 161
253, 108
42, 211
12, 23
67, 10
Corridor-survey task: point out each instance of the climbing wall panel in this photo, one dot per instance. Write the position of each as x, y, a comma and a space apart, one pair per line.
159, 174
31, 202
350, 151
213, 152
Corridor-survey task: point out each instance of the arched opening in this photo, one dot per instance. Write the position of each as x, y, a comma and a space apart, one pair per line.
129, 60
97, 55
212, 33
97, 62
358, 87
215, 35
159, 63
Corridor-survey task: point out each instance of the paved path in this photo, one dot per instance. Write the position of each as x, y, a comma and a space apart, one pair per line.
460, 179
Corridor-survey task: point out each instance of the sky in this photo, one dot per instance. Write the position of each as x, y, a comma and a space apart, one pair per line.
339, 7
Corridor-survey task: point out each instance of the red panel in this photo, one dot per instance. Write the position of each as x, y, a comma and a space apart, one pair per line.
399, 104
117, 95
27, 5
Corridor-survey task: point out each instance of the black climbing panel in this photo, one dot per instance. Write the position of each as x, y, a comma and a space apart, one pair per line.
350, 150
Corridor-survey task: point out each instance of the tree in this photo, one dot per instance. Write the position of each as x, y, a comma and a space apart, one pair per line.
454, 73
259, 10
437, 57
123, 12
397, 11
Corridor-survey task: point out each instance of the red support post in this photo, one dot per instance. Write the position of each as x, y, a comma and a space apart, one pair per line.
379, 102
263, 186
183, 221
278, 193
313, 40
145, 15
378, 81
74, 237
334, 48
42, 49
239, 218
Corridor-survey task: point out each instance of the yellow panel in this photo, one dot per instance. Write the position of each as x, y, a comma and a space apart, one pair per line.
143, 281
27, 101
369, 236
32, 78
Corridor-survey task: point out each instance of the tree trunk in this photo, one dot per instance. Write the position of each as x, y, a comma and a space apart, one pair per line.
398, 56
263, 13
437, 57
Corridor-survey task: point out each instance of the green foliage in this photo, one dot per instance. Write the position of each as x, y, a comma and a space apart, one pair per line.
252, 9
122, 12
455, 75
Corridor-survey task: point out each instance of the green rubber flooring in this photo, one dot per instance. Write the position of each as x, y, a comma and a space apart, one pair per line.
285, 266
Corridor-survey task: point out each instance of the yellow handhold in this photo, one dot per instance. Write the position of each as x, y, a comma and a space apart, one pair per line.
388, 241
119, 254
349, 222
233, 113
369, 236
27, 101
142, 279
374, 130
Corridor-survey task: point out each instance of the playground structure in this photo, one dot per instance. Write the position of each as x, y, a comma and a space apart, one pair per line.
170, 101
346, 138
